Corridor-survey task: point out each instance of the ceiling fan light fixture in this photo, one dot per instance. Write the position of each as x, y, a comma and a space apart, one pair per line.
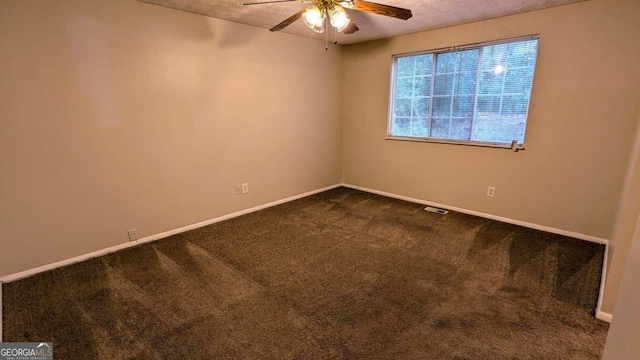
318, 28
314, 19
339, 18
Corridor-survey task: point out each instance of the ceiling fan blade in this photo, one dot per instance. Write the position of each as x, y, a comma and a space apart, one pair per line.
293, 18
351, 28
381, 9
268, 2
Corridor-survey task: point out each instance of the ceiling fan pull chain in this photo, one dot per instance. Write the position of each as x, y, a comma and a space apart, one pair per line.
326, 33
335, 36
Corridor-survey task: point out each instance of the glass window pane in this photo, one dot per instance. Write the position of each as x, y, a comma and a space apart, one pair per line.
421, 107
518, 80
469, 60
419, 127
498, 129
445, 62
463, 106
512, 128
424, 64
440, 128
522, 53
494, 55
515, 105
478, 94
460, 129
488, 105
403, 107
406, 66
486, 128
466, 83
404, 88
443, 84
402, 126
442, 106
490, 82
422, 86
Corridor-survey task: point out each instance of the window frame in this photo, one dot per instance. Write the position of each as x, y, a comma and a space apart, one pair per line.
435, 52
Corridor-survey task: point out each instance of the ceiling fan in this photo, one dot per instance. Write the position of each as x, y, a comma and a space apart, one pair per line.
322, 12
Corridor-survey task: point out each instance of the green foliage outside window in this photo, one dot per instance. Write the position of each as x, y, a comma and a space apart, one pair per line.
476, 94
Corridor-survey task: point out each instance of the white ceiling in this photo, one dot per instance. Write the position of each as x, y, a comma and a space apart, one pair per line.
427, 14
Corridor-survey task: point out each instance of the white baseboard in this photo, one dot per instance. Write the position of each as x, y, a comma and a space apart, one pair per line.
27, 273
233, 215
604, 316
30, 272
599, 314
23, 274
485, 215
40, 269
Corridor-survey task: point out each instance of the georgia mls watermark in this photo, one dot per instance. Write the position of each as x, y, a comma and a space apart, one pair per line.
26, 351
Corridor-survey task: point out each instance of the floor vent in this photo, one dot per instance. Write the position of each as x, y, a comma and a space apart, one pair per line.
436, 210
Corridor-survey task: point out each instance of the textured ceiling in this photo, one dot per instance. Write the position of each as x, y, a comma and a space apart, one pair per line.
427, 14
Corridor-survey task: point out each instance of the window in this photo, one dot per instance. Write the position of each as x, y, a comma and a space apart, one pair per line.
474, 94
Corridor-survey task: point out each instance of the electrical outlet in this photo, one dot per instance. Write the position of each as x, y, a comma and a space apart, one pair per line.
245, 188
133, 235
238, 189
491, 191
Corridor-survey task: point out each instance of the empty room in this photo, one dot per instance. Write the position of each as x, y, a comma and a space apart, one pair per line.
253, 179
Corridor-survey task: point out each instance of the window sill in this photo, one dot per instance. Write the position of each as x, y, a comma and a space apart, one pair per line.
457, 142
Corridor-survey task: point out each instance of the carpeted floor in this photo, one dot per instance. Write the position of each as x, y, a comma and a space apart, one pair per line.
339, 275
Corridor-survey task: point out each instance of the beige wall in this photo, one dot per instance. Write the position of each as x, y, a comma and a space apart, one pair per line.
622, 340
116, 114
581, 125
625, 227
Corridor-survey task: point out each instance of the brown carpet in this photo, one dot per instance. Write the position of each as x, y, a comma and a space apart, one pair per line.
339, 275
